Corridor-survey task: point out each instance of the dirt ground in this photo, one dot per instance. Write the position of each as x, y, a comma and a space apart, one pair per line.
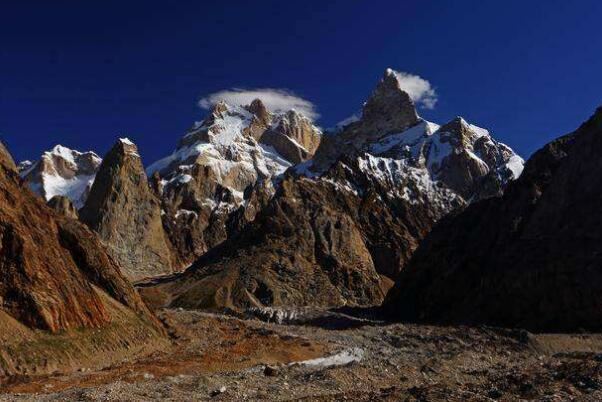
334, 356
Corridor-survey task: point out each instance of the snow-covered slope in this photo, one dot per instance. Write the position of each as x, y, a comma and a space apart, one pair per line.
62, 171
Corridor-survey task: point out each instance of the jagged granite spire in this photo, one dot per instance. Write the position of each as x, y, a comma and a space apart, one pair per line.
122, 209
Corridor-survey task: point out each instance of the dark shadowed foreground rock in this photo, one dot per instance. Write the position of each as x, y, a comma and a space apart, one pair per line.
531, 259
62, 298
126, 214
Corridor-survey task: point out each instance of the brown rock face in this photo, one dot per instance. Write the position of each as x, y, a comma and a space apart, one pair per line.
529, 259
300, 251
125, 213
293, 136
6, 158
56, 277
63, 206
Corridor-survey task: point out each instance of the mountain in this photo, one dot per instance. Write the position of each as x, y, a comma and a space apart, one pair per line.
529, 259
213, 171
126, 214
341, 226
63, 299
62, 171
459, 156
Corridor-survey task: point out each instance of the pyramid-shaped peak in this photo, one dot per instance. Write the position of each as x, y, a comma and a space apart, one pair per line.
389, 108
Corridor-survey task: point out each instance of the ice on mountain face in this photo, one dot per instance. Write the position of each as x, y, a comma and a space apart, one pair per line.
62, 171
76, 188
414, 185
276, 164
126, 141
515, 164
226, 154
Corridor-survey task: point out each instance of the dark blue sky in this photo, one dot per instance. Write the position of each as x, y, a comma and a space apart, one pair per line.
81, 74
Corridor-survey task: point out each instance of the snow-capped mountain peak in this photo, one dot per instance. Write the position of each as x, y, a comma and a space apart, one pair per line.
62, 171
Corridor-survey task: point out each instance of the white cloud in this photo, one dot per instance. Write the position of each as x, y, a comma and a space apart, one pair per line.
275, 100
348, 120
419, 89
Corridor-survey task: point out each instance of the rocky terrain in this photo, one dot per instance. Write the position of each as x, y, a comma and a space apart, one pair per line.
218, 167
529, 259
340, 227
63, 299
390, 259
334, 356
126, 214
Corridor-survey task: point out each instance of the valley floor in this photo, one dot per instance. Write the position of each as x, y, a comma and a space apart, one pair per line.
334, 357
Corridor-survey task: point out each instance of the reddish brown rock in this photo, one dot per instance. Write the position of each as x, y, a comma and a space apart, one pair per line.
57, 284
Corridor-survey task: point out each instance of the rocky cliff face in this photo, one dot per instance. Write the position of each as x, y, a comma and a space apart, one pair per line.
342, 226
218, 164
529, 259
56, 277
62, 171
63, 206
126, 214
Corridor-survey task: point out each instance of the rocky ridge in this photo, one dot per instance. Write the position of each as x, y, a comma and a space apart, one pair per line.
528, 259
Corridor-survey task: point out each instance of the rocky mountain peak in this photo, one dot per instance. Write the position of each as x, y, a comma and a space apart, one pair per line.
219, 161
389, 109
61, 294
62, 171
260, 111
125, 213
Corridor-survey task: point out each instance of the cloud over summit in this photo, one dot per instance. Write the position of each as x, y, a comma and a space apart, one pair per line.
275, 100
419, 89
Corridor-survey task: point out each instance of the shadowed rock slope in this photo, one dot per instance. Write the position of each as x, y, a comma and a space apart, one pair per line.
531, 259
126, 214
314, 244
62, 298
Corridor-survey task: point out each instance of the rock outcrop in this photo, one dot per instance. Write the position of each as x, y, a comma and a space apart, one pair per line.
530, 259
126, 214
6, 158
60, 293
63, 206
62, 171
218, 164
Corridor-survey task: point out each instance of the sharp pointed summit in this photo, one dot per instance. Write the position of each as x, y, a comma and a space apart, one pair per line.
125, 213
